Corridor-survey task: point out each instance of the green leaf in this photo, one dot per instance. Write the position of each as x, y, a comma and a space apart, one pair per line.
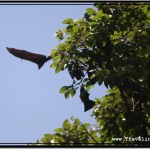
86, 125
58, 69
53, 65
106, 84
88, 86
100, 80
49, 136
62, 46
73, 92
91, 11
56, 57
63, 89
60, 35
75, 29
93, 23
66, 124
68, 21
78, 21
53, 52
77, 122
67, 95
60, 130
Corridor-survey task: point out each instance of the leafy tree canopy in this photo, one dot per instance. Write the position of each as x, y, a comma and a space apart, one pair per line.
110, 45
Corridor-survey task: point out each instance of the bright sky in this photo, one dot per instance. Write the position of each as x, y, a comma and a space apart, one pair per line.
30, 102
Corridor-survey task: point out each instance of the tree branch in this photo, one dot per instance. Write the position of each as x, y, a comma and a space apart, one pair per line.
125, 101
89, 133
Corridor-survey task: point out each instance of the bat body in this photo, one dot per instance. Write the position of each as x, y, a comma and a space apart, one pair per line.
88, 105
84, 96
33, 57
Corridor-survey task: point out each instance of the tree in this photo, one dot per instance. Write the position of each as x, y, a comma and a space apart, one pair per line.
114, 37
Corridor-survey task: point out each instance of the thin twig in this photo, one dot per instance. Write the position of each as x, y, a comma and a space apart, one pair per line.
133, 104
125, 101
89, 133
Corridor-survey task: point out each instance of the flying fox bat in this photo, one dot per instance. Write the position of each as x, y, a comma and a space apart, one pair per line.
84, 96
33, 57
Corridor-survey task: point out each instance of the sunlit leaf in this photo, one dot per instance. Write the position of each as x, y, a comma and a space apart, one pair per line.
73, 92
48, 136
66, 124
58, 69
67, 95
63, 89
75, 29
68, 21
60, 130
91, 11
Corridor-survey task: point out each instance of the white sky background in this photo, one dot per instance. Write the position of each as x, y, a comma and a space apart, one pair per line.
30, 104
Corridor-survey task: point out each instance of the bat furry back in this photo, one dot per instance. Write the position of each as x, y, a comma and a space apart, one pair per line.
33, 57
